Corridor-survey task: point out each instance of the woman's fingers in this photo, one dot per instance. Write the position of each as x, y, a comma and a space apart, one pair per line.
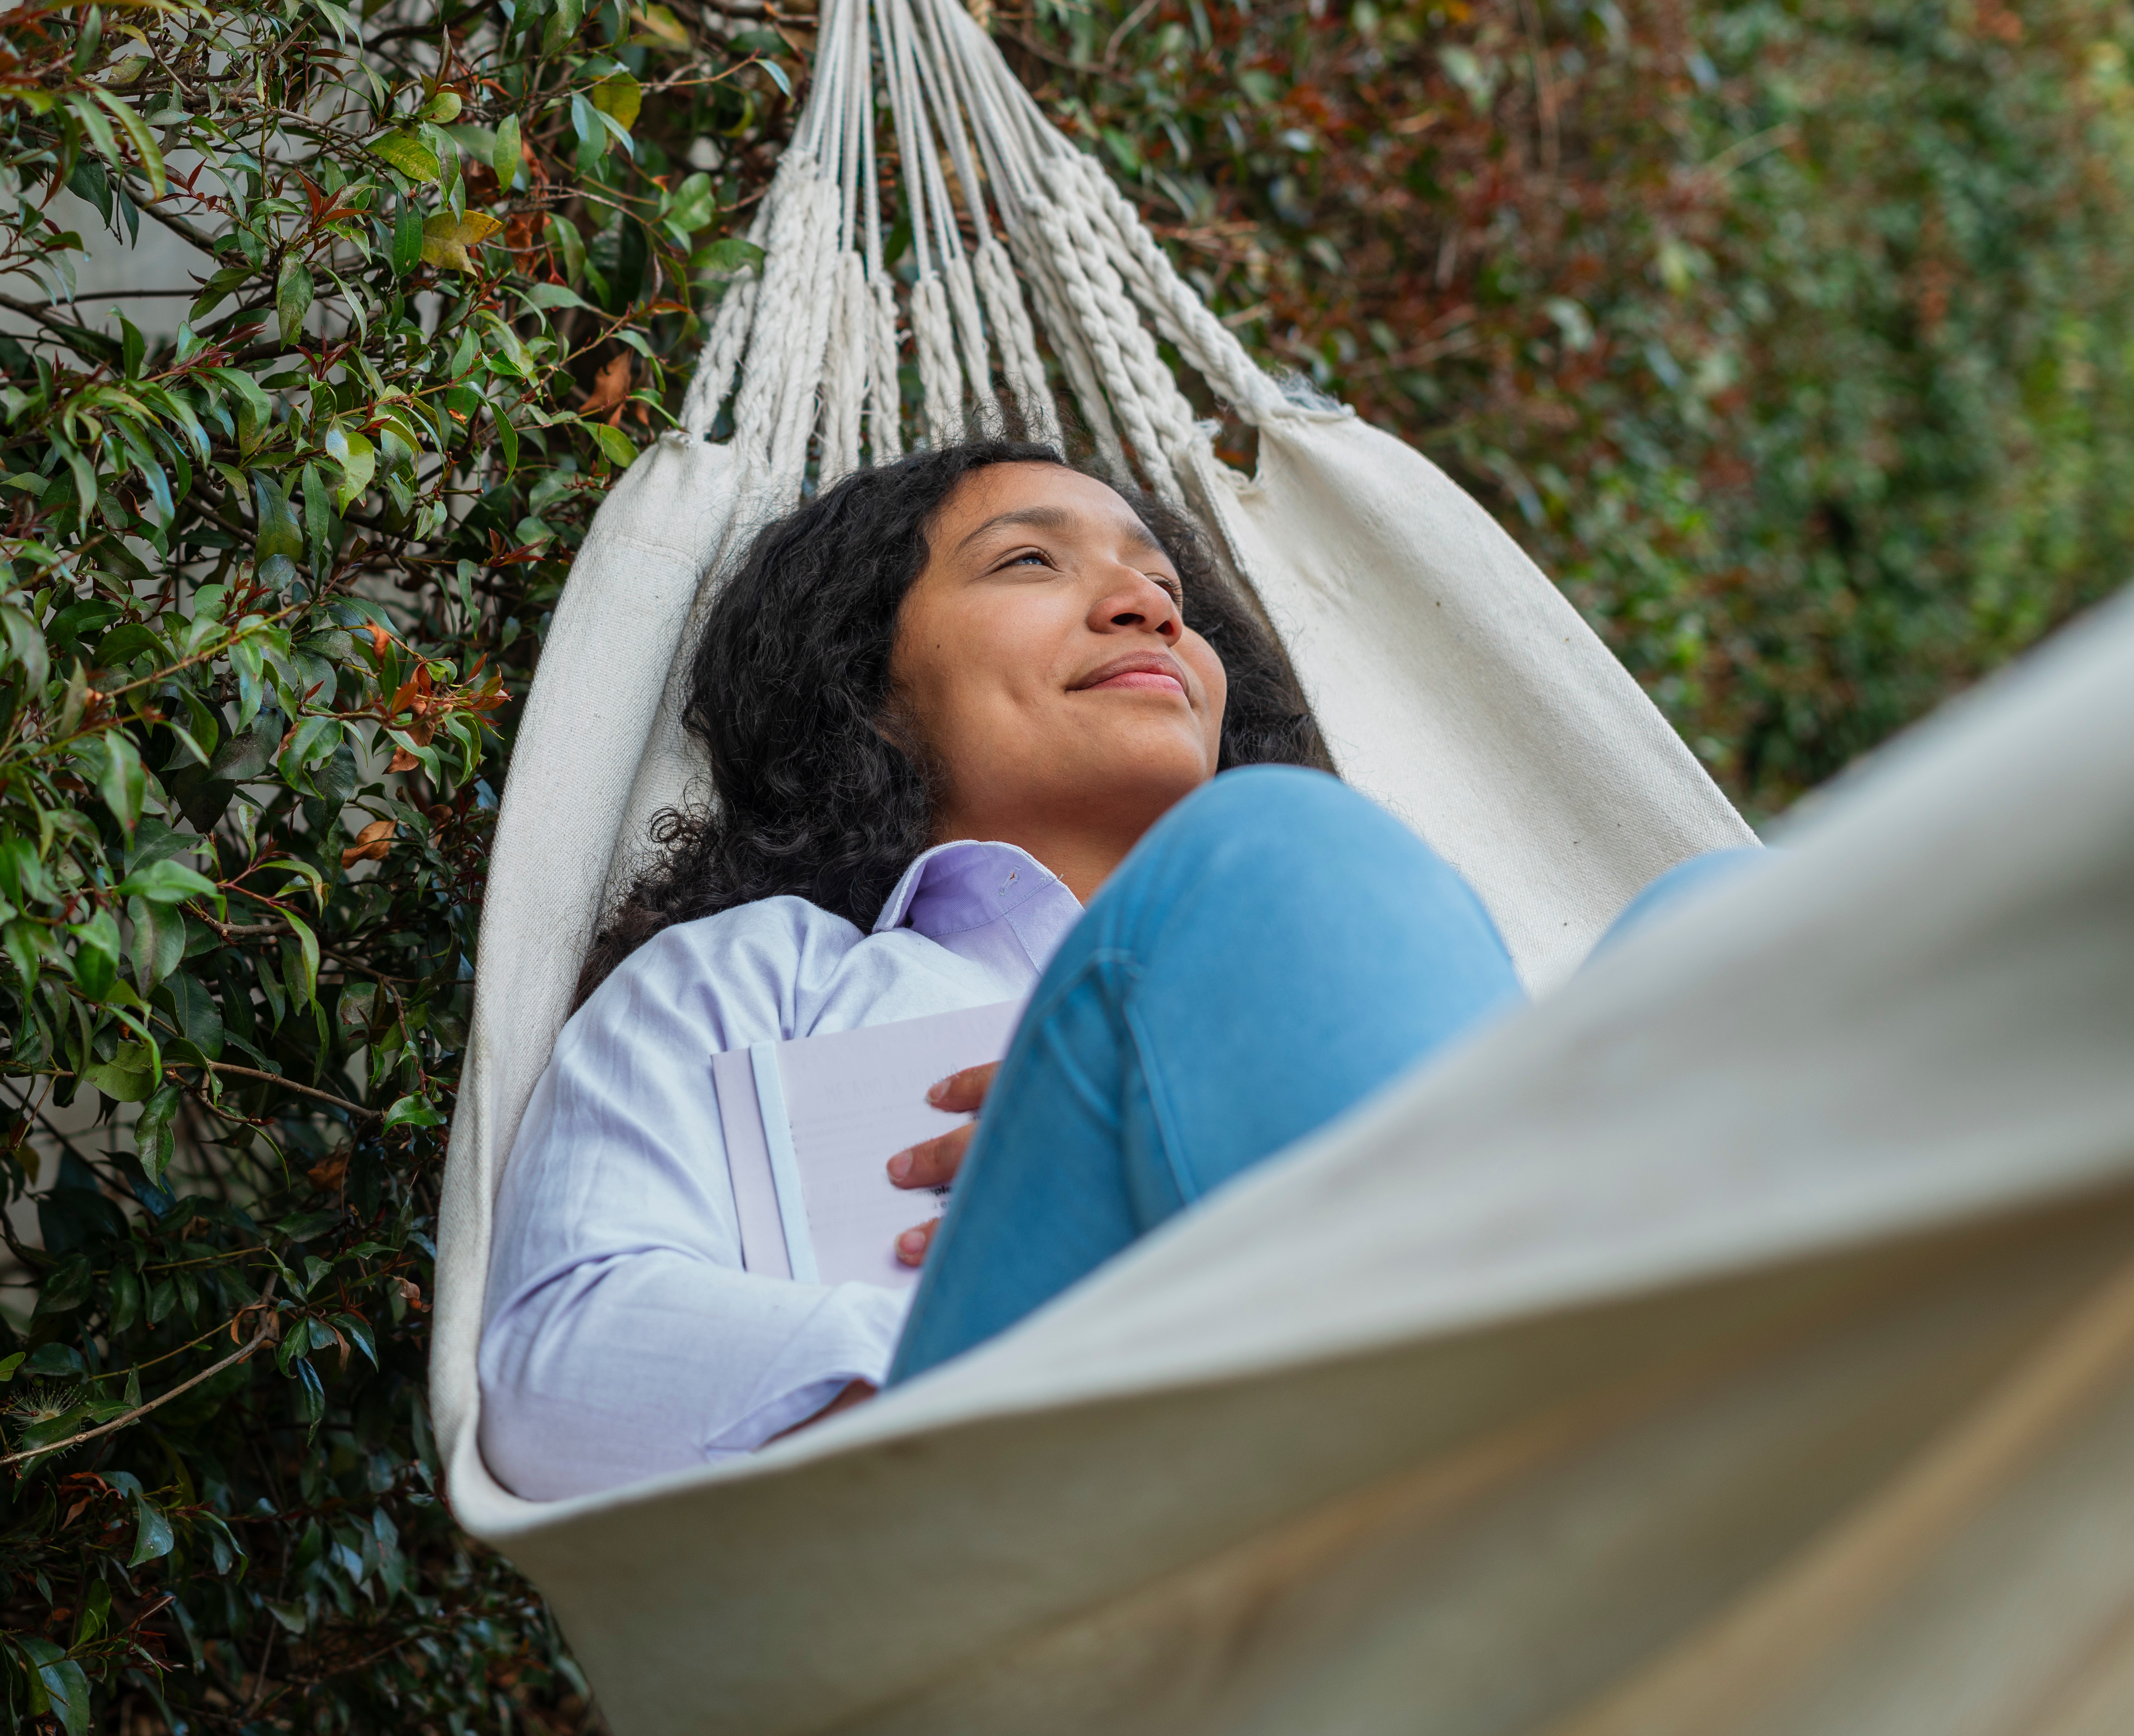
912, 1245
932, 1163
964, 1091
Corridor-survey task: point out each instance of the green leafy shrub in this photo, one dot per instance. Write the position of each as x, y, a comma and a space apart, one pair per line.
269, 583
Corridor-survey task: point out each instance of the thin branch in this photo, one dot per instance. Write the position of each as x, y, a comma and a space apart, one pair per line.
1126, 29
31, 311
288, 1084
242, 931
267, 1323
1023, 39
1552, 147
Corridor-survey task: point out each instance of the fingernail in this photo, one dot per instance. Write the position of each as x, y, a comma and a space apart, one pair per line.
937, 1091
912, 1241
899, 1166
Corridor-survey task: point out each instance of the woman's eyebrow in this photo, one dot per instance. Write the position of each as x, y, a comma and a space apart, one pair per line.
1037, 518
1057, 518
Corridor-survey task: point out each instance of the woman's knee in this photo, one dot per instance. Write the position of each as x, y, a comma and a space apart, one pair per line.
1278, 816
1272, 848
1685, 881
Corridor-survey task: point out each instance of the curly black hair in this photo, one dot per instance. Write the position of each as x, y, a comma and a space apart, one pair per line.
789, 694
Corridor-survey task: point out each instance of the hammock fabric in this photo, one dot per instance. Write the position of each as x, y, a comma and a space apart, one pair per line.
1718, 1346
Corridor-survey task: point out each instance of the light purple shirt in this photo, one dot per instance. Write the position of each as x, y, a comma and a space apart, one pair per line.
622, 1337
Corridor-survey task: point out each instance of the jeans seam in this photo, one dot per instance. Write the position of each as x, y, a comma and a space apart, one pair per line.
1040, 1015
1159, 1104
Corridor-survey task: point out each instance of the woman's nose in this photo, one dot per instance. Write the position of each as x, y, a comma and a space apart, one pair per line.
1139, 602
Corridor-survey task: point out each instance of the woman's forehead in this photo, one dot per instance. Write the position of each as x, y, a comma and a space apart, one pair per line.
1040, 497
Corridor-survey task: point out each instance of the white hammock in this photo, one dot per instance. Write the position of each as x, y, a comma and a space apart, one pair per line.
1466, 1416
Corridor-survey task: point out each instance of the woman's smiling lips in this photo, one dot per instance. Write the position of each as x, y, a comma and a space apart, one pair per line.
1142, 672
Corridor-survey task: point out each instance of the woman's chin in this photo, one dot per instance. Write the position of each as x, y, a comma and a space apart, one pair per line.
1150, 775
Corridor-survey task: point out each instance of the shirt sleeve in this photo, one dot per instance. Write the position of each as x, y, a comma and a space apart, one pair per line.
622, 1337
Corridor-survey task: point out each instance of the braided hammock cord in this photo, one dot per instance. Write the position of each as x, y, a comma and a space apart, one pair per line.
1017, 235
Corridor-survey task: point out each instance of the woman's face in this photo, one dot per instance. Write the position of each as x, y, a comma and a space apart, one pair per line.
1043, 659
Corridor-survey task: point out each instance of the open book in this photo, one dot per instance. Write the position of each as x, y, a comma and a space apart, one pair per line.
809, 1125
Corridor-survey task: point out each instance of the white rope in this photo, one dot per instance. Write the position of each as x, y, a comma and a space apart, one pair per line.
775, 341
1094, 296
718, 359
938, 377
1052, 309
721, 356
1211, 346
970, 330
1015, 208
885, 388
844, 391
803, 362
1018, 344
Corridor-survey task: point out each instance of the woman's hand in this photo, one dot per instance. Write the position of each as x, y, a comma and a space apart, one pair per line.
933, 1163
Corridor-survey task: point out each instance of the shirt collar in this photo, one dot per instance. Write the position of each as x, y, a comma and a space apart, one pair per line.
953, 887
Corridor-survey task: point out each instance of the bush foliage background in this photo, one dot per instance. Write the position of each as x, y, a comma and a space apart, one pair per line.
1793, 337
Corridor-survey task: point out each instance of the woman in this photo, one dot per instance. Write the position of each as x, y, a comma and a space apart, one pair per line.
965, 716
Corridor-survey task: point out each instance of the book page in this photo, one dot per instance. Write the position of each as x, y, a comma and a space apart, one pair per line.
855, 1099
748, 1166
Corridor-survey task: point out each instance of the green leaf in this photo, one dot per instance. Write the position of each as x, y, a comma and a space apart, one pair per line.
620, 449
154, 1139
504, 157
572, 245
409, 154
728, 254
96, 954
84, 482
563, 25
256, 415
125, 785
358, 459
143, 140
407, 239
549, 296
293, 297
695, 203
129, 1075
308, 945
152, 1539
306, 1224
310, 876
27, 944
279, 531
99, 129
318, 521
412, 1111
9, 1364
358, 1331
68, 1690
25, 645
166, 883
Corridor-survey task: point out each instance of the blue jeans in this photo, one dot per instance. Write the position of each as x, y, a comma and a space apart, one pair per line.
1276, 949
